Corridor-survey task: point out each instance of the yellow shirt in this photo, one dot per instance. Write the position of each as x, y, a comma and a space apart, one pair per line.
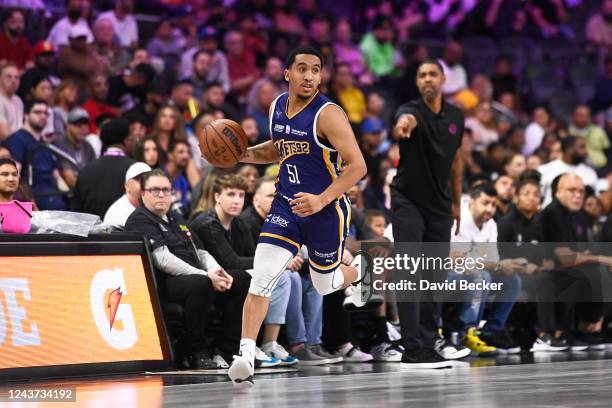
354, 104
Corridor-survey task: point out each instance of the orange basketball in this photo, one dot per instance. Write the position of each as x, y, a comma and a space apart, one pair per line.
223, 142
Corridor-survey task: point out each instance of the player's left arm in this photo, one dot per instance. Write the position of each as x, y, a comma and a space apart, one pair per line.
333, 125
455, 179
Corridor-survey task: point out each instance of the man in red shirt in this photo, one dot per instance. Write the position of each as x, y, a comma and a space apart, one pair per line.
96, 104
243, 71
14, 47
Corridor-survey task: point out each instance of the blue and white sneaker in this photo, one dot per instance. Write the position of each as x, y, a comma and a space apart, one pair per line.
262, 360
275, 350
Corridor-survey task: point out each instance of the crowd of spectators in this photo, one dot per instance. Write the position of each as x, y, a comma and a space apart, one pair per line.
100, 88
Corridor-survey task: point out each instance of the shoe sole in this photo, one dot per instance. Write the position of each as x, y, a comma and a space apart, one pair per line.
597, 347
552, 349
579, 348
373, 303
457, 355
240, 374
313, 363
288, 364
441, 364
389, 359
335, 360
513, 350
348, 360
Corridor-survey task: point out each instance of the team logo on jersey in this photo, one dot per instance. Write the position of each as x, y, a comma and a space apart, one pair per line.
288, 148
278, 113
277, 220
452, 128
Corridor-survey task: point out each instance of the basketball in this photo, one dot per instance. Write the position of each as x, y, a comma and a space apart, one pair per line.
223, 142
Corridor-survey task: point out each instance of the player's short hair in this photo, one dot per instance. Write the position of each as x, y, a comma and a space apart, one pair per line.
568, 142
431, 61
484, 188
230, 181
307, 49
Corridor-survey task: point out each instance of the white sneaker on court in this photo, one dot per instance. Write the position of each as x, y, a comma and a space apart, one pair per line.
241, 372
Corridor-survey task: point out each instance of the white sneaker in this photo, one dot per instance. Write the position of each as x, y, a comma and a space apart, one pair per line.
262, 360
448, 351
393, 333
241, 372
354, 355
273, 349
387, 352
221, 363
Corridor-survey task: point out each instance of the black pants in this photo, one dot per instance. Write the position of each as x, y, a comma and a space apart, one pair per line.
195, 293
419, 317
230, 304
336, 321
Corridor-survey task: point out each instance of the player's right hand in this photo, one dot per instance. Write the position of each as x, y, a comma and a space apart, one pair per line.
404, 126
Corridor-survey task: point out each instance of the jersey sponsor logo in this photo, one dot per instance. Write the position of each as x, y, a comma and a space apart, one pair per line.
279, 128
277, 220
298, 132
288, 148
287, 129
452, 128
326, 255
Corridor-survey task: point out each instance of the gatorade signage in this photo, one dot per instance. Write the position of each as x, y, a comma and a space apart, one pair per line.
60, 310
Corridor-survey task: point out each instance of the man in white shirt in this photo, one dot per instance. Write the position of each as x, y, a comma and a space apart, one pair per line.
535, 131
118, 213
11, 106
456, 77
58, 36
574, 155
477, 238
124, 23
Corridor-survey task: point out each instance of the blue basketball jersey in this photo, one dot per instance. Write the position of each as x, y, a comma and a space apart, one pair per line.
307, 164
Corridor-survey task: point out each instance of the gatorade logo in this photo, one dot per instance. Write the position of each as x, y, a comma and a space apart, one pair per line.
117, 327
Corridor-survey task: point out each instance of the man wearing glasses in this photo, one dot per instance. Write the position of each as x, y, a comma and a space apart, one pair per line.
28, 149
191, 275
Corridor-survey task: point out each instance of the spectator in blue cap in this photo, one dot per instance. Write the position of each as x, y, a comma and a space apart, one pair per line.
372, 136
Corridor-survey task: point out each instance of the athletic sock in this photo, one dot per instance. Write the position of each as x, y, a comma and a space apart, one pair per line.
247, 350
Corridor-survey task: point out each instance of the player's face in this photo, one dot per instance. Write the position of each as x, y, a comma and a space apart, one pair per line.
429, 81
304, 76
231, 201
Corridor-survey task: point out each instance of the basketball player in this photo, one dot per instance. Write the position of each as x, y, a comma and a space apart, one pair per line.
312, 139
429, 132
